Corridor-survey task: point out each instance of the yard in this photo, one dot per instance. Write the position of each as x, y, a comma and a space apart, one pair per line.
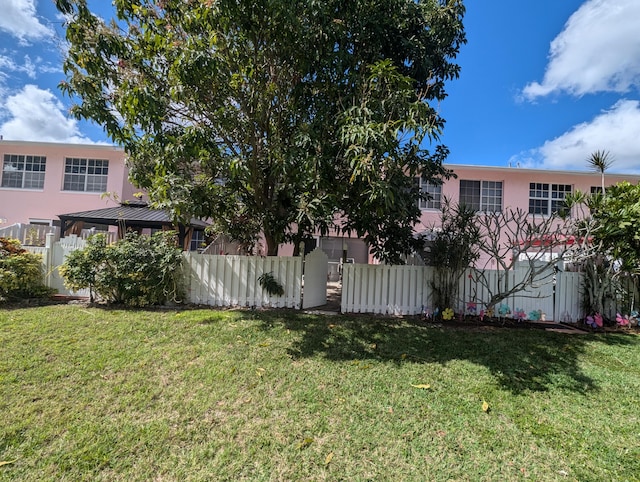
118, 395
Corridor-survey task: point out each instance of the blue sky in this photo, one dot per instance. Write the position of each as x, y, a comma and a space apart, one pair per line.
544, 83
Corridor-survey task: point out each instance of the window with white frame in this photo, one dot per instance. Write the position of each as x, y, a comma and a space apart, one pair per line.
432, 193
23, 172
198, 239
546, 199
485, 196
85, 175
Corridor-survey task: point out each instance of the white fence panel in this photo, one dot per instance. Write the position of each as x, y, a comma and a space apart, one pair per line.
476, 287
233, 280
383, 289
316, 265
72, 242
60, 250
424, 291
29, 234
407, 290
568, 302
538, 296
53, 255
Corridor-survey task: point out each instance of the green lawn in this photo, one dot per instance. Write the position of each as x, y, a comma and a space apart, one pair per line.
114, 395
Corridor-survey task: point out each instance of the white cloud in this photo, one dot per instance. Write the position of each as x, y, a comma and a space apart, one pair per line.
28, 68
19, 18
598, 51
616, 130
37, 115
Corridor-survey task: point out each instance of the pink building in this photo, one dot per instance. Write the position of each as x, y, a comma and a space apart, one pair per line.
485, 188
496, 189
40, 180
536, 191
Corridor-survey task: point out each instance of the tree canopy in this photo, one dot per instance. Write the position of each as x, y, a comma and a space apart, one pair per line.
281, 117
615, 220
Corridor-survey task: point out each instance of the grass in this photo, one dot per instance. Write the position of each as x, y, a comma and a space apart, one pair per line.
99, 394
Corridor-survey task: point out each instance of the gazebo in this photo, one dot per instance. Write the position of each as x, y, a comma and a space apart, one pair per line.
131, 216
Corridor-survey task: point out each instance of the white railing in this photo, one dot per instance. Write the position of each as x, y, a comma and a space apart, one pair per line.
29, 234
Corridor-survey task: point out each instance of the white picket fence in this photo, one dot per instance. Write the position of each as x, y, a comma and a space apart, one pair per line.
407, 290
384, 289
395, 290
233, 280
53, 255
210, 280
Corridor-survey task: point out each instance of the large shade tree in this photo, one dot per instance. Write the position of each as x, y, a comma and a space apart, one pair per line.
273, 116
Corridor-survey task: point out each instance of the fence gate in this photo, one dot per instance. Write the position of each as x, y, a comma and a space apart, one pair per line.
316, 267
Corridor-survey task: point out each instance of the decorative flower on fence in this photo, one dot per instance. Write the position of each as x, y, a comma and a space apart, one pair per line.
447, 314
594, 321
519, 314
622, 320
504, 310
535, 315
426, 313
471, 308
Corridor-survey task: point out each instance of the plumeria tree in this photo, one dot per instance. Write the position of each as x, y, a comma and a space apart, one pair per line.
513, 238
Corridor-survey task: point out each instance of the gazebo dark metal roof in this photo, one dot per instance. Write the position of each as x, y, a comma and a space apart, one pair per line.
134, 214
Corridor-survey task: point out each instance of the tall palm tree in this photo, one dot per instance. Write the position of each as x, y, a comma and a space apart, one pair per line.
600, 161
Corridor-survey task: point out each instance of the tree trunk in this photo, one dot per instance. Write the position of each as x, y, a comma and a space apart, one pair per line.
272, 244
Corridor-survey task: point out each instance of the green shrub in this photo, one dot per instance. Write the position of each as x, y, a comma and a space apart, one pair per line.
82, 267
135, 271
21, 274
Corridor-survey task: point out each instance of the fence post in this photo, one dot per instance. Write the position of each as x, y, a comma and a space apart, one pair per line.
48, 258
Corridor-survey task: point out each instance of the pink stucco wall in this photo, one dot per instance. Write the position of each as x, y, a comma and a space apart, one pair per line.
515, 183
21, 205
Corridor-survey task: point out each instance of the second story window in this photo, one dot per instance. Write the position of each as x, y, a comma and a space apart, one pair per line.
546, 199
434, 194
483, 196
23, 172
85, 175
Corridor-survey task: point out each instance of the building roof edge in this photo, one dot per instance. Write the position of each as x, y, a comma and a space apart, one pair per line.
585, 172
111, 147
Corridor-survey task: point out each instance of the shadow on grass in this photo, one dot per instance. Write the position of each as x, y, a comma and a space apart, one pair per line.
520, 359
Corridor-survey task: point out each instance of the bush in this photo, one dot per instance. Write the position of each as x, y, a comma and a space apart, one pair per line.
135, 271
21, 274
